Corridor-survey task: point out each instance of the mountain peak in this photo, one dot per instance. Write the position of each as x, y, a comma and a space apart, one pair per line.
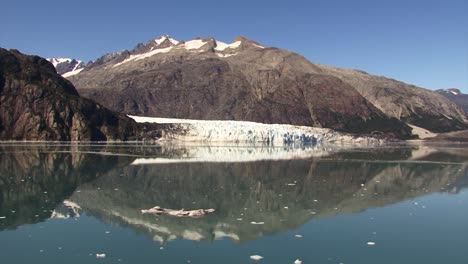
164, 38
453, 91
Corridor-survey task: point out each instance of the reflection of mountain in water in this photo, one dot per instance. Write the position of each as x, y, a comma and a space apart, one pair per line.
285, 194
282, 194
35, 179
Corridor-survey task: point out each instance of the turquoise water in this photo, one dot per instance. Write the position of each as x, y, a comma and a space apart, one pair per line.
67, 203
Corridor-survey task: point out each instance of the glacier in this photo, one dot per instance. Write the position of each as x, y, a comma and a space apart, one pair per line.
250, 133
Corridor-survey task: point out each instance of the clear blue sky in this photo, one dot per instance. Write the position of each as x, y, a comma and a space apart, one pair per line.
423, 42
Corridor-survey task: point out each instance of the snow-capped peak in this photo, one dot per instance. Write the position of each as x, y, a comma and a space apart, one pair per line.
56, 61
453, 91
162, 38
67, 66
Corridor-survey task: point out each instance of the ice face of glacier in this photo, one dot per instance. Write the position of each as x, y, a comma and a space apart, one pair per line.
244, 132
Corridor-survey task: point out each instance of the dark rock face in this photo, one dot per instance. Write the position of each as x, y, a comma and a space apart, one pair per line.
244, 82
456, 96
38, 104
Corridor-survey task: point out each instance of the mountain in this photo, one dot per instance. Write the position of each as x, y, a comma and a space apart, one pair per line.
66, 66
244, 80
208, 79
456, 96
38, 104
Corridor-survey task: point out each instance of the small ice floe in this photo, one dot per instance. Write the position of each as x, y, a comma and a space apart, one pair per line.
291, 184
257, 223
161, 248
179, 213
256, 257
370, 243
107, 232
297, 261
239, 219
298, 236
313, 213
100, 255
2, 217
416, 203
315, 201
286, 207
362, 184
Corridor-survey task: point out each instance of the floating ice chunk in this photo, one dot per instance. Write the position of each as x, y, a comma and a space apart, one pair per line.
291, 184
2, 217
257, 223
100, 255
256, 257
370, 243
298, 236
297, 261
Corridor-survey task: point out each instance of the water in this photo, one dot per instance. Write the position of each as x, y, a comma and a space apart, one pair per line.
67, 203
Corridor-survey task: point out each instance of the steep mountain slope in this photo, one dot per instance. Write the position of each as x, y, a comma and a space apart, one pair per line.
455, 96
412, 104
66, 66
208, 79
38, 104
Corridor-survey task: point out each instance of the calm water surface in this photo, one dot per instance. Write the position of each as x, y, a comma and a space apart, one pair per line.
67, 203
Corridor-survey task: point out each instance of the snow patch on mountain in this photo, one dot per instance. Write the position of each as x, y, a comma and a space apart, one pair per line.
194, 44
221, 46
71, 73
143, 55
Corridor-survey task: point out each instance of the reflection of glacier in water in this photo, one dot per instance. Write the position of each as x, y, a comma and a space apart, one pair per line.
210, 153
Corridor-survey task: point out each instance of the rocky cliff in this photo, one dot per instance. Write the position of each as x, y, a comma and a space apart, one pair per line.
38, 104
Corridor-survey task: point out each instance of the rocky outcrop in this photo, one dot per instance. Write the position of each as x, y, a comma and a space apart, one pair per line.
210, 80
38, 104
456, 96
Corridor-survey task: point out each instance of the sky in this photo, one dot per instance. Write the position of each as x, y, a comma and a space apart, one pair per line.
419, 42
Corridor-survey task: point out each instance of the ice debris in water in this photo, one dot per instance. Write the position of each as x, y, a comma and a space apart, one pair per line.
370, 243
298, 236
297, 261
2, 217
100, 255
256, 257
257, 223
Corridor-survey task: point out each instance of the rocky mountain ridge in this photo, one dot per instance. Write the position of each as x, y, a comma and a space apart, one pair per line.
456, 96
